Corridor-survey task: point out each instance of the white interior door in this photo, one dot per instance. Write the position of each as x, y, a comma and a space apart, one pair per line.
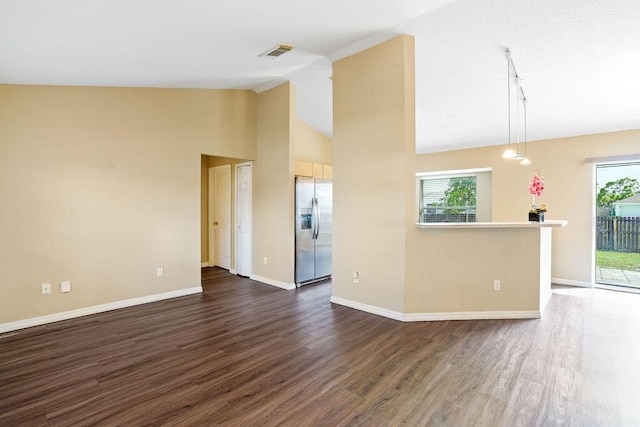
243, 218
220, 216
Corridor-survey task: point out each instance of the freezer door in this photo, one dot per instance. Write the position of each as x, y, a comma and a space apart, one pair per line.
324, 241
305, 223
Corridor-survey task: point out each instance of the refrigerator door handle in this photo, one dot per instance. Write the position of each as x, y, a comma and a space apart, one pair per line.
316, 217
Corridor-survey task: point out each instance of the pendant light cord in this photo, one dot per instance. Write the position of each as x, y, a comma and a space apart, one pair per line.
517, 81
508, 55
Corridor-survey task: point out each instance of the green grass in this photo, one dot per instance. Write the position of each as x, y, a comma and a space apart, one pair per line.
619, 260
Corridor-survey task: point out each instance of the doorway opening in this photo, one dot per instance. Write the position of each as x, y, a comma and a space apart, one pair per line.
226, 213
618, 226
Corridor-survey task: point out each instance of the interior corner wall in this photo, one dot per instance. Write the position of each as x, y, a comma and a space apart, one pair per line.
101, 186
569, 190
373, 160
311, 145
273, 216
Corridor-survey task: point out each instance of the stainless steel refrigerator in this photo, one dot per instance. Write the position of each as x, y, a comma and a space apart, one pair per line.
314, 229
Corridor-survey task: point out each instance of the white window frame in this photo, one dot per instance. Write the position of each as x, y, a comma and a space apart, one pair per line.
458, 173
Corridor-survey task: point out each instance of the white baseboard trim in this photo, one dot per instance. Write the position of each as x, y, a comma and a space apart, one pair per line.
233, 271
567, 282
204, 264
281, 285
71, 314
432, 317
471, 315
368, 308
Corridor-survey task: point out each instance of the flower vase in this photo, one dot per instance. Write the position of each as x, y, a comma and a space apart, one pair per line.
536, 186
534, 214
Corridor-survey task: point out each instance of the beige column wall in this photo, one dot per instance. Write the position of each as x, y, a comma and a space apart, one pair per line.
568, 194
101, 186
273, 216
374, 165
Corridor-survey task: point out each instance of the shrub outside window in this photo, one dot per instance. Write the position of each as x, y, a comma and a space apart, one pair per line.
448, 199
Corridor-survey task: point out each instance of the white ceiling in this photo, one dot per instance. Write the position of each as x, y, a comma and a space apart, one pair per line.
580, 59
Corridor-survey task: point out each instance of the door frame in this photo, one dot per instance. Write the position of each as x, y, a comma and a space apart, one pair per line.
238, 221
213, 247
596, 163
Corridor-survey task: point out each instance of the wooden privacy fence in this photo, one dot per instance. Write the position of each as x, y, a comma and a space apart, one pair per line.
618, 233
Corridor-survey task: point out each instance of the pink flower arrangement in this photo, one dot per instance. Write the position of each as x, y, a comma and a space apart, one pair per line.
536, 185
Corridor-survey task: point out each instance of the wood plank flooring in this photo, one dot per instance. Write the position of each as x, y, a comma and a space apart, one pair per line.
244, 353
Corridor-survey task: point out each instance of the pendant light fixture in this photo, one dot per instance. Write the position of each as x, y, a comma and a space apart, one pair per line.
510, 153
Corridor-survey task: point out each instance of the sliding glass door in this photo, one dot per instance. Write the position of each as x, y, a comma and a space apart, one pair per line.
618, 225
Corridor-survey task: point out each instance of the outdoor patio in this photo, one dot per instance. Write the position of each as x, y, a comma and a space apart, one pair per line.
615, 276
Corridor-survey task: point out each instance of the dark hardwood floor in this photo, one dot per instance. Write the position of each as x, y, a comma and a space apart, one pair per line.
244, 353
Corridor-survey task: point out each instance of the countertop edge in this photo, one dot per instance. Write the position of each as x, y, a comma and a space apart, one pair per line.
548, 223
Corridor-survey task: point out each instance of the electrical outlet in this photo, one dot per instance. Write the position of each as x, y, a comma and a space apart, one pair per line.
356, 277
65, 286
46, 288
159, 272
496, 285
265, 260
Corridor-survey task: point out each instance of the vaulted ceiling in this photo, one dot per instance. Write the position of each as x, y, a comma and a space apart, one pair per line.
580, 59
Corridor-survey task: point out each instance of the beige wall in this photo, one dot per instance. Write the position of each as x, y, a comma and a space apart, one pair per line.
452, 270
273, 221
374, 163
101, 186
311, 145
484, 197
569, 189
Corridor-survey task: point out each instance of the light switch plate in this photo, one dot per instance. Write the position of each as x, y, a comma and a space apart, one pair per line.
65, 286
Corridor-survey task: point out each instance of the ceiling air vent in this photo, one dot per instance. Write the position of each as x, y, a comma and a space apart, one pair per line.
277, 51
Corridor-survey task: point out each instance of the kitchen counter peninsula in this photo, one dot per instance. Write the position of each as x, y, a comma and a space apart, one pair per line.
462, 225
480, 270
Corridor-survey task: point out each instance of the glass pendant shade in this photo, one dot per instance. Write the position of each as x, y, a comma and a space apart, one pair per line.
509, 154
